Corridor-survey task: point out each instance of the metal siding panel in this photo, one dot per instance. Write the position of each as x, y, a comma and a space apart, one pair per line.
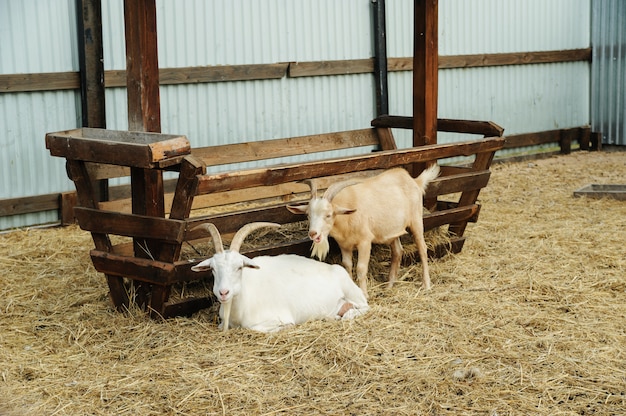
31, 43
252, 31
27, 168
203, 32
36, 37
521, 99
609, 71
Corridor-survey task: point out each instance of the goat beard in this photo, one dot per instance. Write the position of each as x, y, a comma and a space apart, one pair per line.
226, 307
321, 249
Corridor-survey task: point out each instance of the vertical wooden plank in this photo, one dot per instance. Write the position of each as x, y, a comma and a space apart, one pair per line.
482, 162
142, 81
183, 200
91, 63
77, 172
380, 58
425, 64
385, 136
144, 114
142, 66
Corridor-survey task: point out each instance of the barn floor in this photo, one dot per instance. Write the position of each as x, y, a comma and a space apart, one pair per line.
528, 319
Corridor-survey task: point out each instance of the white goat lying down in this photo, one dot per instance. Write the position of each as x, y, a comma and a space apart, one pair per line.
375, 210
268, 293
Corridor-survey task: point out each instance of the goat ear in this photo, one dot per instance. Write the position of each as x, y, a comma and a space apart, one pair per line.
344, 211
203, 266
298, 209
250, 263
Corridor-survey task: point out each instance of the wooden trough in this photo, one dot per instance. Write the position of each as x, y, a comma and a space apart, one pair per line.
150, 266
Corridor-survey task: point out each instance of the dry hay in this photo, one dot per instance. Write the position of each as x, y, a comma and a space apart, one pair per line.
528, 319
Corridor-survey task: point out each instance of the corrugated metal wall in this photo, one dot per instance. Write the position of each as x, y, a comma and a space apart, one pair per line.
35, 36
609, 71
521, 99
40, 37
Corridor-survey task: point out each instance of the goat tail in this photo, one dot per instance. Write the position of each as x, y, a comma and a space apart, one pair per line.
427, 176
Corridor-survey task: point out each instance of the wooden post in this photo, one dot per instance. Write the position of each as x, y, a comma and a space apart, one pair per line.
142, 66
142, 82
425, 64
380, 58
90, 58
144, 114
90, 54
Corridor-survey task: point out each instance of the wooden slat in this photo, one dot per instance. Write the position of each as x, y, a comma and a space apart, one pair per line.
457, 183
186, 307
544, 137
229, 222
68, 201
520, 58
105, 171
273, 148
485, 128
137, 268
319, 68
48, 81
28, 204
458, 214
378, 160
130, 225
206, 74
135, 149
225, 73
285, 192
496, 59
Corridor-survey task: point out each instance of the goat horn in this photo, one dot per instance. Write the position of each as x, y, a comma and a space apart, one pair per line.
334, 189
243, 232
313, 187
215, 235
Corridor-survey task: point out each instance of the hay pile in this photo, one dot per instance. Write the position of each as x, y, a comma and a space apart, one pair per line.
528, 319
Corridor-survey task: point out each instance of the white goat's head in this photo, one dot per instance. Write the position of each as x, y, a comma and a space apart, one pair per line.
227, 265
322, 213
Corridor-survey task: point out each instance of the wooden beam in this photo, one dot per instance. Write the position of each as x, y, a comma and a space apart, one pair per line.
130, 225
57, 81
28, 204
142, 66
340, 67
91, 62
144, 107
274, 148
425, 69
519, 58
90, 51
563, 137
376, 160
485, 128
206, 74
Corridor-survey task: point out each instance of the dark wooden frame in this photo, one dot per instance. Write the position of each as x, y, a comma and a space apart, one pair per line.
145, 271
150, 266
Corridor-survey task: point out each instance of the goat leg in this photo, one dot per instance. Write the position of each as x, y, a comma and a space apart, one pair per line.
364, 250
396, 258
418, 236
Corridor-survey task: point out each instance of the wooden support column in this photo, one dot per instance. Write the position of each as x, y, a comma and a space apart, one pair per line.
144, 114
425, 65
142, 82
90, 58
380, 58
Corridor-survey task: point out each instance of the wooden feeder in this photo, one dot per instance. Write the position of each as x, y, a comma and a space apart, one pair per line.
145, 271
